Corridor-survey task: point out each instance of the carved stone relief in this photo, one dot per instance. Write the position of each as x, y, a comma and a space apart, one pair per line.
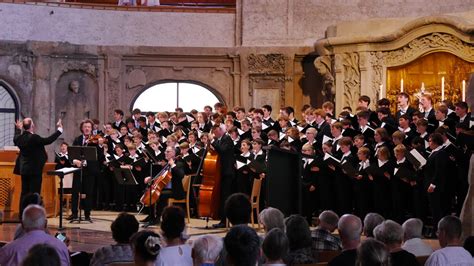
433, 42
323, 65
377, 62
136, 79
267, 79
266, 64
351, 69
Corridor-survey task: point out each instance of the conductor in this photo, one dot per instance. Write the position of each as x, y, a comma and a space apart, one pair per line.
32, 158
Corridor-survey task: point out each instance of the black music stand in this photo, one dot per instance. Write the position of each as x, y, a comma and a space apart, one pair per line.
124, 177
61, 173
83, 154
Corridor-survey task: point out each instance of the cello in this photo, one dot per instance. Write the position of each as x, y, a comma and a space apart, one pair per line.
210, 189
153, 192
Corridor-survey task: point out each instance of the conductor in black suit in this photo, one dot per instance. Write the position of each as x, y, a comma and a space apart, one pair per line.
32, 158
224, 146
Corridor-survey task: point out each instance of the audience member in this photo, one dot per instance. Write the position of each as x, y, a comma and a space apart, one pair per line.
371, 220
206, 250
243, 246
124, 226
469, 245
34, 223
350, 229
412, 230
272, 218
372, 253
237, 209
146, 246
176, 251
299, 238
275, 247
391, 234
322, 236
42, 255
30, 198
449, 237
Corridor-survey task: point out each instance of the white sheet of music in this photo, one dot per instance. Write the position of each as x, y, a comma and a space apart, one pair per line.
67, 170
326, 139
418, 157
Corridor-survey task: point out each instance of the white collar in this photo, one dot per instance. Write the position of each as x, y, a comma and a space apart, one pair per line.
346, 154
247, 154
339, 137
437, 149
260, 152
447, 143
424, 134
379, 144
401, 161
381, 163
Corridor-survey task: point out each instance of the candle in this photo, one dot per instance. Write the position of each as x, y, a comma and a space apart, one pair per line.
401, 85
381, 92
442, 89
463, 90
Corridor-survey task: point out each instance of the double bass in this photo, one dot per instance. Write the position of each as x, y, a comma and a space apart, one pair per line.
153, 192
210, 189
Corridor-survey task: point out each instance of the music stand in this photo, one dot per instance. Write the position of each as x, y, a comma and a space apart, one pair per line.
82, 153
124, 176
61, 173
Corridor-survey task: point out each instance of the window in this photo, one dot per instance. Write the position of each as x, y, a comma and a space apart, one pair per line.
8, 111
167, 96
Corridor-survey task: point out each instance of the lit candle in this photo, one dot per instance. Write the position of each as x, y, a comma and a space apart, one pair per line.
401, 85
463, 90
442, 89
381, 92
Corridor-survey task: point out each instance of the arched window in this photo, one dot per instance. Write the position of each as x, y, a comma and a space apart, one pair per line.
8, 114
169, 95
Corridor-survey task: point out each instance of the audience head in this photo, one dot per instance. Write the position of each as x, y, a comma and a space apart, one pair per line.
42, 255
242, 245
172, 222
34, 218
390, 233
206, 249
271, 218
275, 246
124, 226
412, 228
372, 253
238, 209
146, 246
371, 220
297, 231
328, 220
350, 228
449, 231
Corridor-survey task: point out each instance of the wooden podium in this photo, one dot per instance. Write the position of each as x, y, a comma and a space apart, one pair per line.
10, 188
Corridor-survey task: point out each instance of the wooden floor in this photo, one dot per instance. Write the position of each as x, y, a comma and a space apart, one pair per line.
89, 237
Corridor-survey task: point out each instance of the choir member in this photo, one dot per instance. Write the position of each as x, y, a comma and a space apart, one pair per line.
403, 106
118, 119
380, 175
309, 182
362, 186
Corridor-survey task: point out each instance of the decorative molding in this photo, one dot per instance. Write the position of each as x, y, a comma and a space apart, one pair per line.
266, 64
81, 66
428, 43
350, 63
377, 62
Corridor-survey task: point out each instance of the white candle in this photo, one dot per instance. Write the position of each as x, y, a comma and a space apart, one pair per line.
381, 92
401, 85
463, 90
442, 89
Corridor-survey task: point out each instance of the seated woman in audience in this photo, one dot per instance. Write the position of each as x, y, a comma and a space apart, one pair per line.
275, 247
124, 226
372, 252
299, 237
206, 250
175, 250
271, 218
146, 246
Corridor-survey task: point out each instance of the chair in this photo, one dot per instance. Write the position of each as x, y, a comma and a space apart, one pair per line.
187, 188
255, 199
327, 255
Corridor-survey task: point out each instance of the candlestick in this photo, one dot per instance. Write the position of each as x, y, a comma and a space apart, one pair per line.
381, 92
442, 89
401, 85
463, 90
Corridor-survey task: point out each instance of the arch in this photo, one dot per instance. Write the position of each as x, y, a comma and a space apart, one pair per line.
179, 96
9, 112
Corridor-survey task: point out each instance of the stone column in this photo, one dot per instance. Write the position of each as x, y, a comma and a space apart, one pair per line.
467, 213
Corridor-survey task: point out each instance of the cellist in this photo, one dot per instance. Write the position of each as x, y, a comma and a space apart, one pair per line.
174, 189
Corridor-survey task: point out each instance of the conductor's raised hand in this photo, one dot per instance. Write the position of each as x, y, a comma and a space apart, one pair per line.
18, 124
59, 124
